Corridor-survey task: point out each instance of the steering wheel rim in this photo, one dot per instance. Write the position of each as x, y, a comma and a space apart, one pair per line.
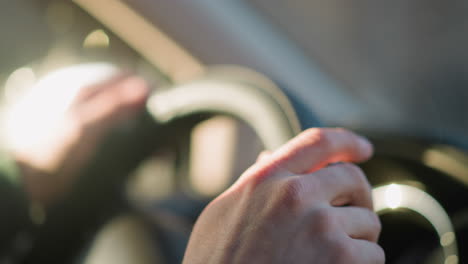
71, 224
264, 114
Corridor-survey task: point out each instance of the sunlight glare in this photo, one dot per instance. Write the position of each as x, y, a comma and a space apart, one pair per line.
393, 196
33, 118
19, 81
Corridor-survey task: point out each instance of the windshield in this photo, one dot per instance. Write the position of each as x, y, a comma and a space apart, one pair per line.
406, 60
404, 63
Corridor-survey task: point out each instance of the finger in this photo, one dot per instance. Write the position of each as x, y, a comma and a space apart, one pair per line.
87, 92
315, 148
367, 252
339, 184
263, 155
114, 104
358, 223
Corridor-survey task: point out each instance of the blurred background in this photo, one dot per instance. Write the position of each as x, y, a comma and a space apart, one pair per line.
395, 71
402, 63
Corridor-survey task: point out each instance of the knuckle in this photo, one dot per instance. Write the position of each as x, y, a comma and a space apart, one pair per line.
323, 221
317, 137
290, 191
253, 180
257, 176
358, 176
312, 132
322, 139
343, 251
354, 170
375, 224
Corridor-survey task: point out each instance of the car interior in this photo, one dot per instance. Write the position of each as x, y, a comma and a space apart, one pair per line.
232, 78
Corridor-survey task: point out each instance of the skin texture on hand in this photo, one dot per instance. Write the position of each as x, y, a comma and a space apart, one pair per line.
49, 169
295, 205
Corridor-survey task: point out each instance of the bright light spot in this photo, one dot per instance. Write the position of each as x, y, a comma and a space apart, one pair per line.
393, 196
453, 259
96, 39
18, 82
404, 196
32, 120
447, 239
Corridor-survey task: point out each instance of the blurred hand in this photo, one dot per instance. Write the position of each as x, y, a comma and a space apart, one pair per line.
49, 169
290, 207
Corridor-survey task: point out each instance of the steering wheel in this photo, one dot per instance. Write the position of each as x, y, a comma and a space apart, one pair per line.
400, 170
420, 191
171, 114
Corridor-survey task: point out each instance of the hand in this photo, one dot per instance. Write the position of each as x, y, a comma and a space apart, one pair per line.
50, 167
290, 207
